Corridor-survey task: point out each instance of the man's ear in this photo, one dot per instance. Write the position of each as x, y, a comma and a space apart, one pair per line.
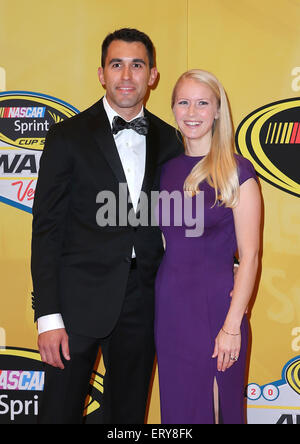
101, 76
153, 76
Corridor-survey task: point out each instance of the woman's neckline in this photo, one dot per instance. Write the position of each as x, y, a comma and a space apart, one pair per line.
194, 157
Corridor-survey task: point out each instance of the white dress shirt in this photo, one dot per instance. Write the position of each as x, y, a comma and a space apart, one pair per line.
131, 147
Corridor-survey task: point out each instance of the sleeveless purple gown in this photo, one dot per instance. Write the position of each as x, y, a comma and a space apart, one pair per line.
193, 288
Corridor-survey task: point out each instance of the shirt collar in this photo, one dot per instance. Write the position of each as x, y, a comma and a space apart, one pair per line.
111, 113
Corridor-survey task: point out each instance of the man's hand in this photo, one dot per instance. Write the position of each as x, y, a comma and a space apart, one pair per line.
49, 344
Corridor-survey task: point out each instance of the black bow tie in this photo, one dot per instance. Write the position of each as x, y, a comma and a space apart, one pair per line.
140, 125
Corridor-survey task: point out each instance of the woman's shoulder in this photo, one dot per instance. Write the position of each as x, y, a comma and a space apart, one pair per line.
245, 169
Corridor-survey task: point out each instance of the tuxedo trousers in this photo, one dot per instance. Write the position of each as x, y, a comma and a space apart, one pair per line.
128, 355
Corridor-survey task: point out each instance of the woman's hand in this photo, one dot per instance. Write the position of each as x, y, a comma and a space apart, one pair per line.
227, 349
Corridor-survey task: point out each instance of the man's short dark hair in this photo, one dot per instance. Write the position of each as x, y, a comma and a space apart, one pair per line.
128, 35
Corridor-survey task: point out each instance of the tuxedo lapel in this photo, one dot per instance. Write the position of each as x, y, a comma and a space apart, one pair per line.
152, 142
101, 131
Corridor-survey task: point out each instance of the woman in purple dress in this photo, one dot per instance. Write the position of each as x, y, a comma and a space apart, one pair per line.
201, 330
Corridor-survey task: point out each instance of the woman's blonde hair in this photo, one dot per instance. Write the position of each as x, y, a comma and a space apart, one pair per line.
218, 167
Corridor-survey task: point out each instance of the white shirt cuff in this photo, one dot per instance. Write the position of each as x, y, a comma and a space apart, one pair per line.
50, 322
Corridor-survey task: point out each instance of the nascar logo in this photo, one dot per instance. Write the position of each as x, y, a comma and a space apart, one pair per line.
25, 119
270, 138
21, 380
24, 112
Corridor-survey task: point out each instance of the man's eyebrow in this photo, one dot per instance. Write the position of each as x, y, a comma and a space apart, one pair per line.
139, 61
116, 60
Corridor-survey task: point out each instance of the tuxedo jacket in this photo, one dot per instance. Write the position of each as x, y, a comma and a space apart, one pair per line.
79, 268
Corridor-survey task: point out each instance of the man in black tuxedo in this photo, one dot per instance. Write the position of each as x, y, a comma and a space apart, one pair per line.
93, 284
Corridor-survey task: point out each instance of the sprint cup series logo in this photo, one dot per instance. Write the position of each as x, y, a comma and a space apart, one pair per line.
25, 118
270, 138
22, 380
